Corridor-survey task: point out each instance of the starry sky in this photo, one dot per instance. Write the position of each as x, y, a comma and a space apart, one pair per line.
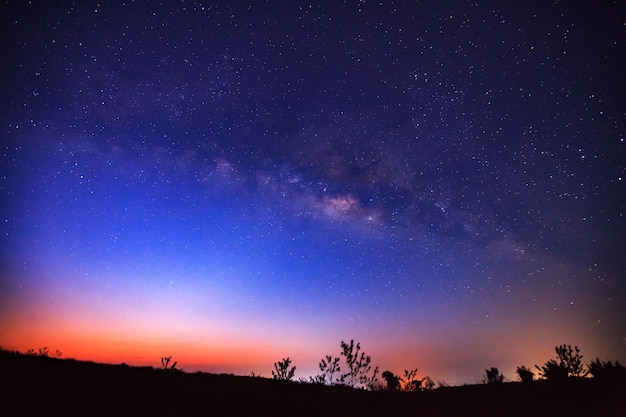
232, 183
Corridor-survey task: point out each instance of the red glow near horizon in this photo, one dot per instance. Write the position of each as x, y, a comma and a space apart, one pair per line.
459, 360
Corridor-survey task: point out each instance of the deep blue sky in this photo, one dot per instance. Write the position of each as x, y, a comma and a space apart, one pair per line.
443, 181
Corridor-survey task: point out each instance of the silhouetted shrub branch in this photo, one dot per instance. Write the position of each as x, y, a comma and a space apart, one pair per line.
283, 372
165, 364
329, 367
359, 366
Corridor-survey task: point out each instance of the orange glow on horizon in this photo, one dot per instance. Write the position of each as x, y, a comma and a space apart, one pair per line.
231, 347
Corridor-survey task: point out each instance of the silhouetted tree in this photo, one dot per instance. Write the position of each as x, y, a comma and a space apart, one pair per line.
525, 374
359, 366
572, 360
393, 381
329, 367
44, 351
493, 376
606, 370
283, 372
553, 371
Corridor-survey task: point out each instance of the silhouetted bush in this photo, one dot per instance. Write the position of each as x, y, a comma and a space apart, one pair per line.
553, 371
427, 383
392, 381
410, 381
572, 360
525, 374
329, 367
44, 351
569, 364
359, 366
315, 380
493, 376
606, 370
165, 364
283, 370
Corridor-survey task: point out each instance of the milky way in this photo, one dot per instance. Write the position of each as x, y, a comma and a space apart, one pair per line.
233, 183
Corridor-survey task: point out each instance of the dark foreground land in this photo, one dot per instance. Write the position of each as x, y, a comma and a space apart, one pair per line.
42, 386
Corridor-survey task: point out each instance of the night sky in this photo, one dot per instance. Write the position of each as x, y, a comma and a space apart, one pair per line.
232, 183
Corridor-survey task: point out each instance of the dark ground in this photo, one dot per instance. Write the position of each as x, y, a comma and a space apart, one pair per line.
42, 386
